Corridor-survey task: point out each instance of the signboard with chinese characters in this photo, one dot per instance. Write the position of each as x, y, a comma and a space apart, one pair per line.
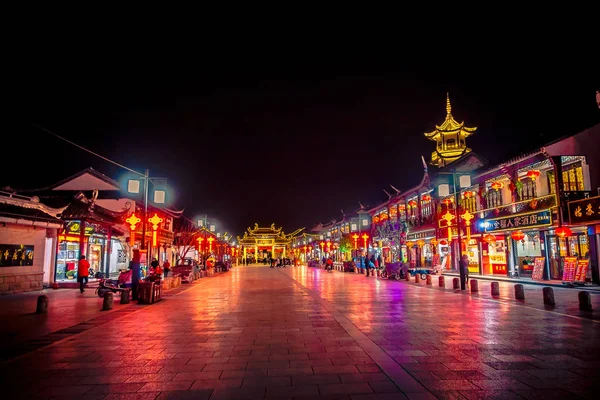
585, 210
569, 268
520, 221
421, 235
15, 255
581, 271
538, 268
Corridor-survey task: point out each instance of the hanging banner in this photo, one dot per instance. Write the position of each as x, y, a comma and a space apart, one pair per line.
581, 272
569, 267
538, 268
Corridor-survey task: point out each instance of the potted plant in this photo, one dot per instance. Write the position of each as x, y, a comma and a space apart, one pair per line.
71, 274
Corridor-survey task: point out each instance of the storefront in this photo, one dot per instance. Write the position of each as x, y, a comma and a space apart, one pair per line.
509, 245
421, 248
89, 230
104, 253
584, 239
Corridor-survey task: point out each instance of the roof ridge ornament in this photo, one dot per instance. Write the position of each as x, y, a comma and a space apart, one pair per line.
448, 105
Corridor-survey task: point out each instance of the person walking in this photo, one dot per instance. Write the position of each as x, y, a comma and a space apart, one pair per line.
83, 272
166, 267
464, 271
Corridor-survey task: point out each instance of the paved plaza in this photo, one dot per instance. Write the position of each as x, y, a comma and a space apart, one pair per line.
299, 333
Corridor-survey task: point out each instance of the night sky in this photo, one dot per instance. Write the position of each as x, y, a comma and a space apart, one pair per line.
285, 142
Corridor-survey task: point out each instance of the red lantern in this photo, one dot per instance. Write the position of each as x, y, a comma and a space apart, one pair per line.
426, 198
517, 235
448, 200
489, 238
563, 231
534, 173
497, 185
412, 203
468, 194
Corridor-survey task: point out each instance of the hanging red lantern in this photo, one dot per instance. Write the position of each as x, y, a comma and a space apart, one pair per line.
426, 198
563, 231
448, 200
468, 194
412, 203
517, 235
489, 238
443, 242
497, 185
534, 173
434, 241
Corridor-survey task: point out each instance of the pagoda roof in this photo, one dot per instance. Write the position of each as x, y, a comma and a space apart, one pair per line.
450, 125
261, 232
83, 208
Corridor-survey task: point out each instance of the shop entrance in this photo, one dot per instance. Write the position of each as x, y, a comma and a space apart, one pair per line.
576, 245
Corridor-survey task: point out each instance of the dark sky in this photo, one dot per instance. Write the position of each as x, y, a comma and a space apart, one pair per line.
287, 142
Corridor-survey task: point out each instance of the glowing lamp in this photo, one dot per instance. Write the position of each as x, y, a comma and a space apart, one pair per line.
489, 238
328, 246
517, 235
563, 231
468, 194
447, 201
155, 220
365, 238
355, 237
133, 220
534, 173
412, 203
420, 242
426, 197
410, 244
210, 240
434, 241
497, 185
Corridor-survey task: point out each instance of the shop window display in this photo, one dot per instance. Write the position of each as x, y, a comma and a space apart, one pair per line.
494, 257
527, 249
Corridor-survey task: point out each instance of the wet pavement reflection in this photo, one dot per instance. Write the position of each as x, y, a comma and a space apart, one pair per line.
295, 333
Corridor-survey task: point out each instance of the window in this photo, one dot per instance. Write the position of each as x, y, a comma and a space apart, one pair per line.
494, 198
529, 191
469, 203
450, 143
573, 178
426, 208
551, 182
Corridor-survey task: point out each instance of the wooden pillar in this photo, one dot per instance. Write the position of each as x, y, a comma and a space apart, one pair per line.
108, 250
81, 239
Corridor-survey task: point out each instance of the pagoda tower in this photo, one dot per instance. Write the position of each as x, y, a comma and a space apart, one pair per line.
450, 138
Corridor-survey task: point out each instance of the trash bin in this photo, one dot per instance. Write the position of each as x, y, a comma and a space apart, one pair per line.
146, 292
157, 291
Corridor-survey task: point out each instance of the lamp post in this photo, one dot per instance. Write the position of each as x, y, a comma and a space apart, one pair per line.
133, 186
443, 191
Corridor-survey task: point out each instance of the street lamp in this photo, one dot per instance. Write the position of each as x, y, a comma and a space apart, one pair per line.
133, 186
464, 181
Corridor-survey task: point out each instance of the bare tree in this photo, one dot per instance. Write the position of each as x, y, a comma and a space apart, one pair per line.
186, 238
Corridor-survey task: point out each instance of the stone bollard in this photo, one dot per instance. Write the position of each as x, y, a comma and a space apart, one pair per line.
107, 304
519, 292
455, 284
474, 285
428, 281
495, 289
585, 301
417, 278
442, 281
42, 305
124, 297
407, 276
548, 294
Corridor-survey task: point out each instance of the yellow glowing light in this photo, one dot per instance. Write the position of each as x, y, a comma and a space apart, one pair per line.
355, 237
210, 240
133, 220
155, 220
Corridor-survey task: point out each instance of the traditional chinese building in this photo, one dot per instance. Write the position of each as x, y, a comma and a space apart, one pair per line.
28, 234
450, 138
263, 242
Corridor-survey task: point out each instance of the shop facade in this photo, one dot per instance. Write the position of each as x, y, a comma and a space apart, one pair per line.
28, 231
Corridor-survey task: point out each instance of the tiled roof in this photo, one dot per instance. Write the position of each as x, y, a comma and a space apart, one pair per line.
27, 213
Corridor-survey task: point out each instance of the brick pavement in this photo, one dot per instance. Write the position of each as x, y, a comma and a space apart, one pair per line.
301, 333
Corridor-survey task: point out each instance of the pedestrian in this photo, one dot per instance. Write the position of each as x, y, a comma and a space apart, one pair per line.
166, 267
83, 272
464, 271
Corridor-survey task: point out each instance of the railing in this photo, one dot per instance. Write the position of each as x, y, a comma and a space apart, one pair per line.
518, 207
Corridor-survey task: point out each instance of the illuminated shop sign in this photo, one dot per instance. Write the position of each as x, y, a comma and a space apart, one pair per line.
520, 221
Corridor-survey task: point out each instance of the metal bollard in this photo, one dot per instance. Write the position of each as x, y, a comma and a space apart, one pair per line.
585, 301
548, 294
417, 278
107, 303
519, 292
495, 289
474, 285
455, 284
42, 305
124, 297
442, 281
428, 281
